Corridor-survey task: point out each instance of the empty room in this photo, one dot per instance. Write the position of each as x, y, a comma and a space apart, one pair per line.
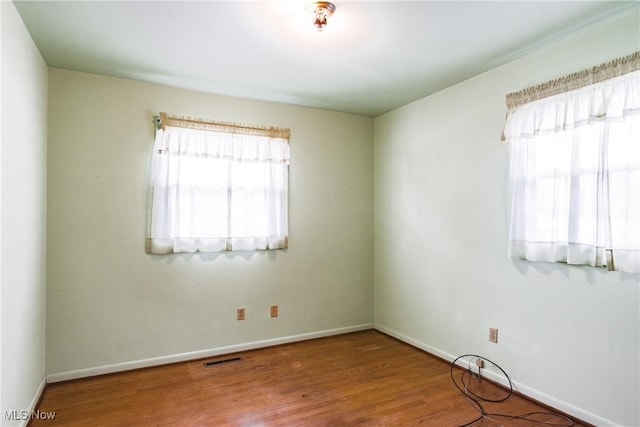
256, 213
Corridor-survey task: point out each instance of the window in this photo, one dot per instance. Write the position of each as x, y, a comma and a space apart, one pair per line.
218, 187
575, 172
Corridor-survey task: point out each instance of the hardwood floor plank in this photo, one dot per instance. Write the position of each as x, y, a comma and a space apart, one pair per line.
358, 379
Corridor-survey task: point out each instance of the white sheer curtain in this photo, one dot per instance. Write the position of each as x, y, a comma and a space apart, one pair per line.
575, 176
214, 190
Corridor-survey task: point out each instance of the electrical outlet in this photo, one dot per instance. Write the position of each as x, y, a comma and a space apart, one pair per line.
274, 311
493, 335
240, 313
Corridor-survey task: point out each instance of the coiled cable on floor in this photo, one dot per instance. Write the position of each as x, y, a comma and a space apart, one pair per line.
468, 377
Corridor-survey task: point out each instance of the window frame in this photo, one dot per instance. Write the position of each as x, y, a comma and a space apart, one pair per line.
180, 211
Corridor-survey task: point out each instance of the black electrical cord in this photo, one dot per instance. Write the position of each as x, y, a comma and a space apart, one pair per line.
475, 398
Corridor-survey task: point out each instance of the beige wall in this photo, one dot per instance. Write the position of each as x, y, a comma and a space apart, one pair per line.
110, 303
568, 336
23, 210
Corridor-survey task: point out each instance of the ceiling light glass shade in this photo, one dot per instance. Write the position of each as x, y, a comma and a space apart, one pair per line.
322, 10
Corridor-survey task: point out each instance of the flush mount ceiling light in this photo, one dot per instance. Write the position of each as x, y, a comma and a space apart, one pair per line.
322, 10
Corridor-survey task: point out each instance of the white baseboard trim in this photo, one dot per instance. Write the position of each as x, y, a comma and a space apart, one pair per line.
530, 392
183, 357
34, 401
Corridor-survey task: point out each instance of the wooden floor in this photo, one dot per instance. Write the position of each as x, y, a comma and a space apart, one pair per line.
363, 378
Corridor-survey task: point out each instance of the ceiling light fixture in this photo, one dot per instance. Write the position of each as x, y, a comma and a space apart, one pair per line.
322, 10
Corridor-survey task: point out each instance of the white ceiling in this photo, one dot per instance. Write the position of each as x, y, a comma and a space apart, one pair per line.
373, 56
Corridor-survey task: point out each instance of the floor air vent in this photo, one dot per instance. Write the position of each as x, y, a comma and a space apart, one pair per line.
221, 361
